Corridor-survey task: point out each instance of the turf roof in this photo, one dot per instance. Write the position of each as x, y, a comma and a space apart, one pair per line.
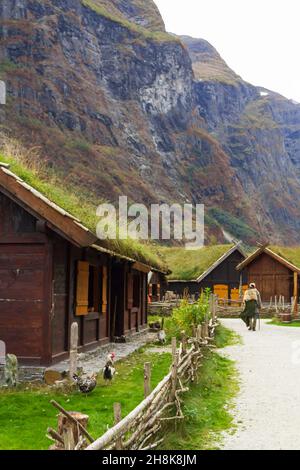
188, 265
78, 205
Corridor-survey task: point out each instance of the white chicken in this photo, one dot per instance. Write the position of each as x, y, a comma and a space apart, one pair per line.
161, 335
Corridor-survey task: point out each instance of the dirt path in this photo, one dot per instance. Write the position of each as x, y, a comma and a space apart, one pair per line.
267, 407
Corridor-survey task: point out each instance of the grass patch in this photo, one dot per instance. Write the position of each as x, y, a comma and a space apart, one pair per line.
26, 414
226, 337
206, 407
295, 323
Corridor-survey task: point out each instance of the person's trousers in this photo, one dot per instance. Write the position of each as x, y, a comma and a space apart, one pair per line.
252, 323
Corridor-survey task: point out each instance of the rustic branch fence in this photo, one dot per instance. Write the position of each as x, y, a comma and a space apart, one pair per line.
142, 429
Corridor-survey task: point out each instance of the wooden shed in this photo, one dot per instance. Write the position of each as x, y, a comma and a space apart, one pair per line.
212, 267
53, 271
275, 271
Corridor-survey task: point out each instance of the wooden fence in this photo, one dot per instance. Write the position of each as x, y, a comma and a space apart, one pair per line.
142, 429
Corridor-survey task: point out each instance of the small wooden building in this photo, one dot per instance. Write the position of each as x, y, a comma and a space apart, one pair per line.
212, 267
54, 272
275, 271
157, 285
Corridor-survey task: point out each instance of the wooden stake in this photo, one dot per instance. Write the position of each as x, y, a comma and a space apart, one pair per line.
295, 311
184, 342
147, 379
118, 418
174, 348
73, 350
174, 377
72, 419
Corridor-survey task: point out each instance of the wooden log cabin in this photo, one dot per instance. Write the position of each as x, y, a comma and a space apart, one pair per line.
275, 271
212, 267
54, 272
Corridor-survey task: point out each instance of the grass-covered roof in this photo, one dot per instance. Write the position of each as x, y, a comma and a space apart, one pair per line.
291, 254
188, 265
78, 204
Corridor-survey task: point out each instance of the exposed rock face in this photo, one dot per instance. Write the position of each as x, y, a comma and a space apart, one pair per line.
118, 108
259, 131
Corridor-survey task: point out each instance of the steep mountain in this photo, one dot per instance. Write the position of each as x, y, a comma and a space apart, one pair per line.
110, 102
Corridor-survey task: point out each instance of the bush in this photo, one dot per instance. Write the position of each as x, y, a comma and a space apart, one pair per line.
188, 315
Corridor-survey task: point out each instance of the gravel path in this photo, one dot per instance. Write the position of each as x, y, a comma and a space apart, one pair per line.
96, 360
267, 407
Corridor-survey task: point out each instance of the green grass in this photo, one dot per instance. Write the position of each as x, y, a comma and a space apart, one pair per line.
207, 405
225, 337
276, 322
78, 204
189, 265
26, 414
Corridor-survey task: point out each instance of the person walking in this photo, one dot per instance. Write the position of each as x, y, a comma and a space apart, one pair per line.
252, 305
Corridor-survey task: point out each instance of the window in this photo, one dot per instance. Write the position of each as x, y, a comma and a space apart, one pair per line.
91, 289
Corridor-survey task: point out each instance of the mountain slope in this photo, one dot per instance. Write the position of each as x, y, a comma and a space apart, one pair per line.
114, 105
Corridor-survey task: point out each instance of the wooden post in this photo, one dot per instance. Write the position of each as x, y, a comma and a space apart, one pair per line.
73, 350
118, 418
203, 332
295, 312
147, 379
70, 427
174, 376
199, 333
194, 334
184, 342
174, 348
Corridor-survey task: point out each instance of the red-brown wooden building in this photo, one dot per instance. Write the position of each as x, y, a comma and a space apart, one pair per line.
53, 272
275, 270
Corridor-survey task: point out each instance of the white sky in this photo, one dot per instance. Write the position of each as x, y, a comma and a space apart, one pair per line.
259, 39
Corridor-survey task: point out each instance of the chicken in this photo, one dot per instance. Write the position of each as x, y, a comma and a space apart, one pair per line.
86, 384
109, 372
162, 337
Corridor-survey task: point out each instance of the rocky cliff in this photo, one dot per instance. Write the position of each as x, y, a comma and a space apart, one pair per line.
259, 131
117, 106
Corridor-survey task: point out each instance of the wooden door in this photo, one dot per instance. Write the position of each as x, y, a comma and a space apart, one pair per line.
221, 290
23, 298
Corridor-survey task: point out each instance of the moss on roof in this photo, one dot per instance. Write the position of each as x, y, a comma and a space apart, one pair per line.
77, 204
291, 254
188, 265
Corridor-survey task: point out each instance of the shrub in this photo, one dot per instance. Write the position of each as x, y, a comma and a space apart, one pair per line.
188, 315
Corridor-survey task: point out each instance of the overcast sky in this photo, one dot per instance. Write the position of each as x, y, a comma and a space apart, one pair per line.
259, 39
